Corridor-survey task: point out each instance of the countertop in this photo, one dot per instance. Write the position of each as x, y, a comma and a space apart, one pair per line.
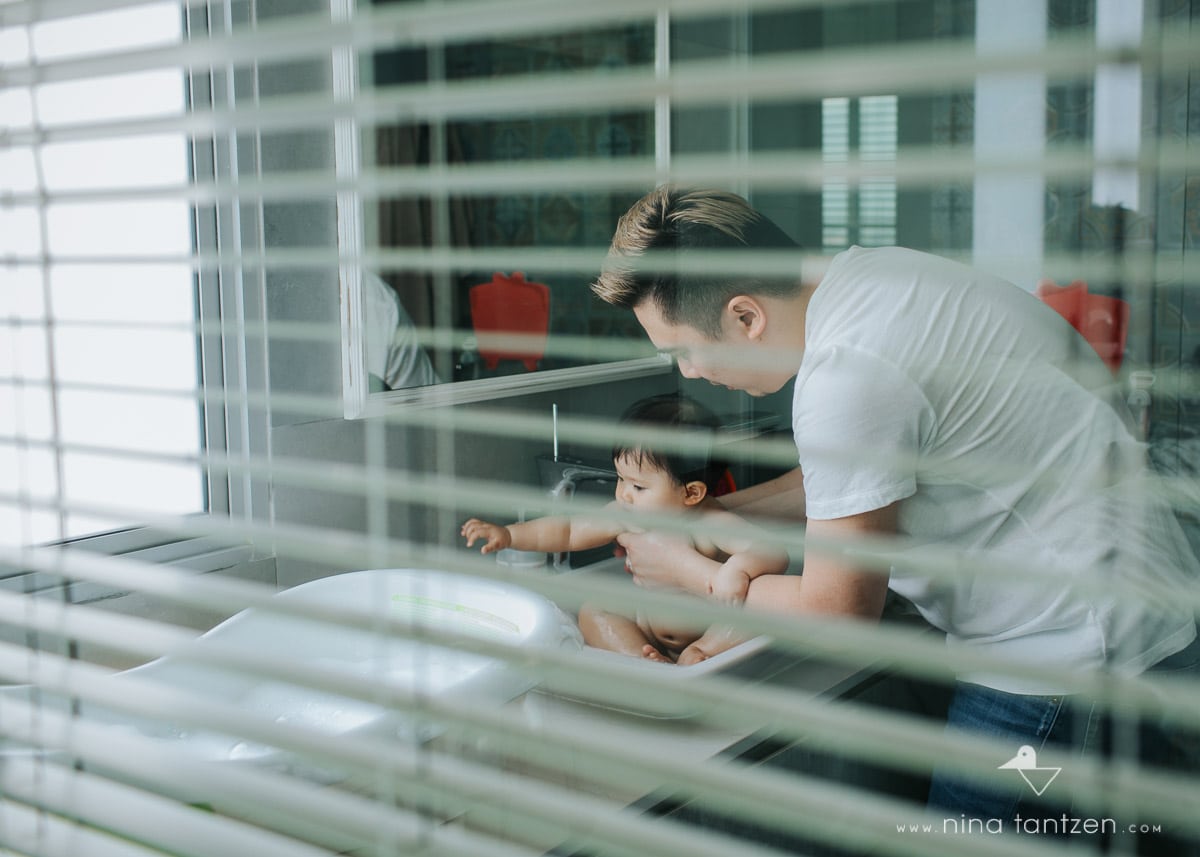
575, 769
572, 759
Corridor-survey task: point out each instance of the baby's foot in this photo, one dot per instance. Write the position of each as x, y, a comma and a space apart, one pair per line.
652, 654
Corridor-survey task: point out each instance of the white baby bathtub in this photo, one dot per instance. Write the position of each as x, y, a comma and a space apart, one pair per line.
432, 599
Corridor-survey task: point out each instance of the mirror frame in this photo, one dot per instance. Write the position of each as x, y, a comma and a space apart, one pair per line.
358, 402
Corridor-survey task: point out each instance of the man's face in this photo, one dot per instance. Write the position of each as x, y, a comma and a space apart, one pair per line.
723, 362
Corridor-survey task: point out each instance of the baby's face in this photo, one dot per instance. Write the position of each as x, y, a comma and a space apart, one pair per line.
647, 487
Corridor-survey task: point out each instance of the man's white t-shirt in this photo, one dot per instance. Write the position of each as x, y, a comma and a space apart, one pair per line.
393, 353
983, 412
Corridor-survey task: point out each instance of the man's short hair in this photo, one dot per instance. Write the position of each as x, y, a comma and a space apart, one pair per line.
673, 219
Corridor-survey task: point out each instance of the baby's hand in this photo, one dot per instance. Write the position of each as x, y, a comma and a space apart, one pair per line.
729, 588
495, 537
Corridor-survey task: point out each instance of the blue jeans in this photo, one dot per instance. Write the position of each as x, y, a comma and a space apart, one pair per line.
1075, 726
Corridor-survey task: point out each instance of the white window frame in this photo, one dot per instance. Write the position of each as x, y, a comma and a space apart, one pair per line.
232, 428
233, 361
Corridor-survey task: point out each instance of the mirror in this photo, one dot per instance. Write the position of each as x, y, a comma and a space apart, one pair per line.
443, 264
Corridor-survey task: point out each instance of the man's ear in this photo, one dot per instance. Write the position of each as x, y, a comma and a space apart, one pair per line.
749, 314
694, 492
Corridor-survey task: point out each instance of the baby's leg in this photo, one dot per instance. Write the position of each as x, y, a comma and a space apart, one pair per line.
712, 642
666, 641
616, 633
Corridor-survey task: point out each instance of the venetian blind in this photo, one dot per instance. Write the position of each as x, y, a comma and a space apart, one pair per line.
240, 241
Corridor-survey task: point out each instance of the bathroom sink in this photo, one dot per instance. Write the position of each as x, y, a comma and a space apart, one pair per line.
473, 607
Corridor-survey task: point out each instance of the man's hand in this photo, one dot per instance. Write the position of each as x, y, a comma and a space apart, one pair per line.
495, 537
666, 561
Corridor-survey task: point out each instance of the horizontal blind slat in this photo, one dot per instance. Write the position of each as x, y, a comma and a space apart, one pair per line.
143, 816
477, 784
915, 168
45, 835
1165, 796
910, 69
839, 639
940, 563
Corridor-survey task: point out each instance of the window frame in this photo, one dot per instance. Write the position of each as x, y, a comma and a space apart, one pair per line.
231, 428
235, 424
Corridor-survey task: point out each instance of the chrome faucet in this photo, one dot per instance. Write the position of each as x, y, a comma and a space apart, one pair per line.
570, 477
575, 473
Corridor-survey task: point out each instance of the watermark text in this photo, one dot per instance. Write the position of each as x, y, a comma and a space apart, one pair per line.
1064, 825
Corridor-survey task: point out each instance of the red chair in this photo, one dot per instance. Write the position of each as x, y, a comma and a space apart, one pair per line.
725, 485
1103, 321
509, 305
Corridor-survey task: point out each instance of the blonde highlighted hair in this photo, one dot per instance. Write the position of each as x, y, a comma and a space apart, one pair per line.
670, 219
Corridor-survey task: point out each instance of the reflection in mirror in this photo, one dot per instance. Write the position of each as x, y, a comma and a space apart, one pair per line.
395, 358
452, 309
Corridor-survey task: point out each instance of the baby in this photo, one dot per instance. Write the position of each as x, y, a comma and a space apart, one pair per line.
660, 482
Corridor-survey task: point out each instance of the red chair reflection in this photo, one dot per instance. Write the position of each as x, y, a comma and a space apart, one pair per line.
511, 305
1103, 321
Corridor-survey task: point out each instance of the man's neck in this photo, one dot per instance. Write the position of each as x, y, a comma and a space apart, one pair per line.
812, 269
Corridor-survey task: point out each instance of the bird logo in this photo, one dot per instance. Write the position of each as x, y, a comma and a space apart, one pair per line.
1025, 764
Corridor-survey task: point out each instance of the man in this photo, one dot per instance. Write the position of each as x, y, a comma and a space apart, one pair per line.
395, 359
950, 410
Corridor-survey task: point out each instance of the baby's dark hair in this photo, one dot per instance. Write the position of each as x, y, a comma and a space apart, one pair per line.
683, 466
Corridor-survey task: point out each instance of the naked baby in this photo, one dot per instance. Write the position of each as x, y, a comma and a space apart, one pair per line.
655, 481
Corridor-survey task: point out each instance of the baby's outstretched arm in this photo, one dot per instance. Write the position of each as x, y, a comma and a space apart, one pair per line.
541, 534
494, 536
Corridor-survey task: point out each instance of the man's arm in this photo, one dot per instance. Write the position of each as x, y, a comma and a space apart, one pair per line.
749, 553
831, 584
663, 560
781, 497
732, 580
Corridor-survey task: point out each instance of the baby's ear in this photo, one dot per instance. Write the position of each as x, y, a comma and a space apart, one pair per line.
694, 492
